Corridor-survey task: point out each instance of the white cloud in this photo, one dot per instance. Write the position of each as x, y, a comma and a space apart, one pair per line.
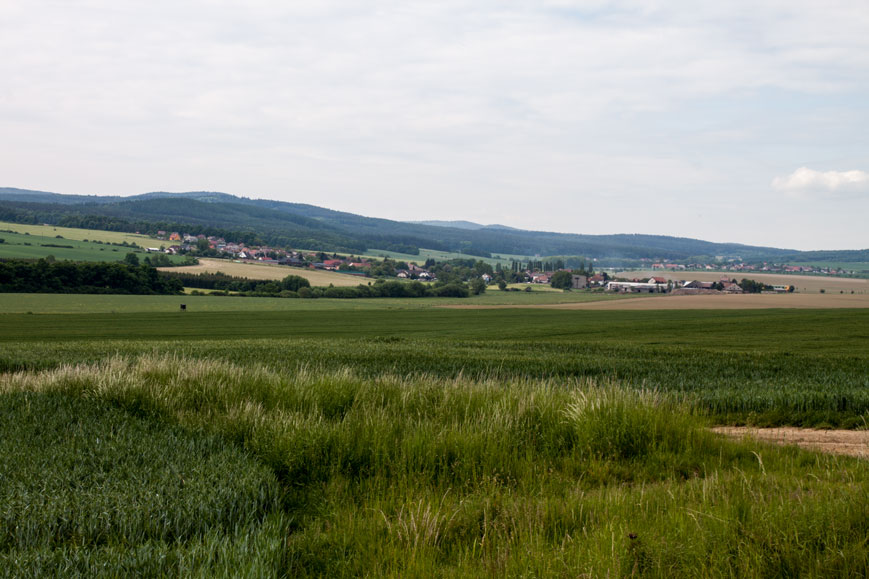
808, 182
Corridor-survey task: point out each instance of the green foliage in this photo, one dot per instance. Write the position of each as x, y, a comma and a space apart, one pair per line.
49, 276
294, 283
561, 280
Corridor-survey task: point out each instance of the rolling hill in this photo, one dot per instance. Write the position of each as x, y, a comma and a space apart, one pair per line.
309, 226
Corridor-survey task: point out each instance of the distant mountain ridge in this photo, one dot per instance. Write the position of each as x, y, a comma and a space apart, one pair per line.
311, 227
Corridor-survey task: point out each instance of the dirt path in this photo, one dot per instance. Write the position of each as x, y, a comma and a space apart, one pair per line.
848, 442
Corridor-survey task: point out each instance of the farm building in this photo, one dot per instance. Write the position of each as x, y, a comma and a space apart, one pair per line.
635, 287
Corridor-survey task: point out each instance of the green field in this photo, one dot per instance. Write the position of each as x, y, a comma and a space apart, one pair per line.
117, 237
55, 303
390, 438
33, 246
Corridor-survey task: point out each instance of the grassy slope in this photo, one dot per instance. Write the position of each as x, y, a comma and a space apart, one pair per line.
82, 234
20, 246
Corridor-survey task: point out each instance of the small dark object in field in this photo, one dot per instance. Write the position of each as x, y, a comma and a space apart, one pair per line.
183, 307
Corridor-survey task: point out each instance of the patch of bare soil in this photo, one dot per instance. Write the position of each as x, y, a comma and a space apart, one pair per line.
845, 442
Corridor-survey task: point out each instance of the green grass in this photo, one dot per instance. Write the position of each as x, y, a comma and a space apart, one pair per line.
88, 488
390, 438
20, 246
758, 366
391, 475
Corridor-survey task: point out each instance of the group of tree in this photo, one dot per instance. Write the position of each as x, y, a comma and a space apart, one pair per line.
47, 276
294, 286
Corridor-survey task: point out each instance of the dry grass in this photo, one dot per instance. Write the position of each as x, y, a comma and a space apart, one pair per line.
712, 302
845, 442
802, 283
269, 272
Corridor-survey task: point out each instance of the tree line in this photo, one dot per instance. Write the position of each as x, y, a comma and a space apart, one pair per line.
294, 286
68, 277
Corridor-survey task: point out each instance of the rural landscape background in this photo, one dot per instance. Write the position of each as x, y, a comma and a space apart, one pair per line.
570, 288
504, 427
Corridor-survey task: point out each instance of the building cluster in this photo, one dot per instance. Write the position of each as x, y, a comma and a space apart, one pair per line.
662, 285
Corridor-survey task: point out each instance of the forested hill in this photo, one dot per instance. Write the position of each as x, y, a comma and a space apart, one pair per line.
308, 226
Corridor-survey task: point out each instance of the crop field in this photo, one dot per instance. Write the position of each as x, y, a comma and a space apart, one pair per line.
340, 439
270, 272
77, 234
802, 283
21, 246
706, 302
81, 303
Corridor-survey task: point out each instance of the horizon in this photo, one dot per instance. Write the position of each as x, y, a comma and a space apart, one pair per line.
735, 123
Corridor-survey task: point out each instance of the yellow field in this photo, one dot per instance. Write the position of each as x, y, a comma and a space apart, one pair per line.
802, 283
82, 234
269, 272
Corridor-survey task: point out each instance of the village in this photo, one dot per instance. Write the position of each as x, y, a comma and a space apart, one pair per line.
211, 246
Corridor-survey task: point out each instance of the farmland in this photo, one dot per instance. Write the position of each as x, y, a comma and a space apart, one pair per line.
268, 272
348, 438
802, 283
32, 246
76, 234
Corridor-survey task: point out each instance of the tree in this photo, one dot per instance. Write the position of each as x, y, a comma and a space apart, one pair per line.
502, 285
478, 286
561, 280
294, 283
131, 259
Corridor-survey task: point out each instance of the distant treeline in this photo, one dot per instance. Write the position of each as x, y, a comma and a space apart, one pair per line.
294, 286
44, 276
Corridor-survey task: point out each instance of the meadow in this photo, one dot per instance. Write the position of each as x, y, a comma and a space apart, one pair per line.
78, 234
407, 440
32, 246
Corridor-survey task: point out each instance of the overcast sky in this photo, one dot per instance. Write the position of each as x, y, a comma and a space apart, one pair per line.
744, 121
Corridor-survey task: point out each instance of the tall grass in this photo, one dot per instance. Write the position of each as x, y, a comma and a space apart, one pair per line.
428, 475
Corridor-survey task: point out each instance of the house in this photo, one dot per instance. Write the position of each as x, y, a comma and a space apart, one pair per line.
732, 288
578, 282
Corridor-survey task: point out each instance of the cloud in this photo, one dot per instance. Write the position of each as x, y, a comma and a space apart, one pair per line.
808, 182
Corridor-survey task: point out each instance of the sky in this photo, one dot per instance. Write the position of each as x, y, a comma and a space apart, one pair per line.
741, 121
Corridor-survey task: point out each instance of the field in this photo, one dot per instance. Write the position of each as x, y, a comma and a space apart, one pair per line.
32, 246
345, 438
76, 234
802, 283
709, 302
269, 272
